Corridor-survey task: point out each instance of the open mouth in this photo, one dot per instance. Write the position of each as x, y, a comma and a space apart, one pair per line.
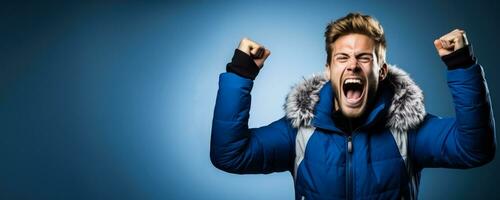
353, 89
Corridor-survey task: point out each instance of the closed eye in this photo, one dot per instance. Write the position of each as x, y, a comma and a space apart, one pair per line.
365, 59
341, 58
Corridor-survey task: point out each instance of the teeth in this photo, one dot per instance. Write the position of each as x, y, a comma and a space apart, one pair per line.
352, 80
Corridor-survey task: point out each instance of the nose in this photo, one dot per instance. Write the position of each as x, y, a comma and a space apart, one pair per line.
353, 64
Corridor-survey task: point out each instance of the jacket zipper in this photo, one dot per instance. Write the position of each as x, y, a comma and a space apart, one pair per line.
349, 187
349, 174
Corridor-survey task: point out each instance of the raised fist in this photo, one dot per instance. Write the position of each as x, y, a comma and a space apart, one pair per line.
451, 42
254, 50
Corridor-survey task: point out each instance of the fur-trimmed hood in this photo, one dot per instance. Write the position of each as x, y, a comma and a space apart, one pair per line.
406, 111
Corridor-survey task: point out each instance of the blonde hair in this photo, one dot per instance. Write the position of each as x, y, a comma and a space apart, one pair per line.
356, 23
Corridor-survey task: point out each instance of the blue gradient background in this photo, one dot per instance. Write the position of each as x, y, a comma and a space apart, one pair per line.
115, 101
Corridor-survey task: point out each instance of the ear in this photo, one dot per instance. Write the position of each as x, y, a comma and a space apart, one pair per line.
327, 71
382, 72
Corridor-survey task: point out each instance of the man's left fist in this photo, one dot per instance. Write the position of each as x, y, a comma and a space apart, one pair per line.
451, 42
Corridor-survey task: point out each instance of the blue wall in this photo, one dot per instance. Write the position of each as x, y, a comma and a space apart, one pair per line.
115, 101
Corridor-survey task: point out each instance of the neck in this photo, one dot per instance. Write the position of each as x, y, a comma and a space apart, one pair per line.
348, 124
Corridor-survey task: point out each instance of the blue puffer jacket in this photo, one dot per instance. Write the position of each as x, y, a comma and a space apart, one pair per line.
382, 159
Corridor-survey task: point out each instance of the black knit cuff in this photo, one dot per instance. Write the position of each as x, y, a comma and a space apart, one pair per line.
460, 59
243, 65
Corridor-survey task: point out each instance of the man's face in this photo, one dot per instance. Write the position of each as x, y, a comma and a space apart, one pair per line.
354, 73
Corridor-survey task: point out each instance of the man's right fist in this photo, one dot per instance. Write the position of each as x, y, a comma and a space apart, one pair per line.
258, 53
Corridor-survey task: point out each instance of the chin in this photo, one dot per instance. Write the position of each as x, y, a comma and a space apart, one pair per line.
352, 112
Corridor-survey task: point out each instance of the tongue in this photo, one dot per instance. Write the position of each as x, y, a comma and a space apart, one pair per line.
353, 94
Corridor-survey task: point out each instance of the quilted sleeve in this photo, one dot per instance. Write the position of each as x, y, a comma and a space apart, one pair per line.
234, 147
467, 140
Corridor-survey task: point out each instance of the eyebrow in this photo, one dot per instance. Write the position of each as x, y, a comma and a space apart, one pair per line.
343, 54
358, 55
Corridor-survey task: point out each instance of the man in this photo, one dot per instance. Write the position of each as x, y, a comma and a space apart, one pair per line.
360, 131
